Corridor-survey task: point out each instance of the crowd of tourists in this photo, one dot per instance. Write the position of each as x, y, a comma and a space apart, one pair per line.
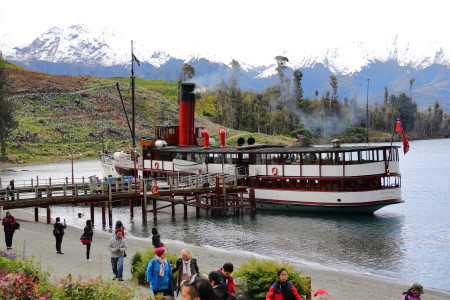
189, 285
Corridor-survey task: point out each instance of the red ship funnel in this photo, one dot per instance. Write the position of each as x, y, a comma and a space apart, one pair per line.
222, 134
187, 109
205, 135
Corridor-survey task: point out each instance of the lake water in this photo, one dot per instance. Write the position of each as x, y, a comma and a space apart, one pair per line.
400, 243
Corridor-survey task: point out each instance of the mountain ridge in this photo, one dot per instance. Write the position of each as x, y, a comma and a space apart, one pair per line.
78, 50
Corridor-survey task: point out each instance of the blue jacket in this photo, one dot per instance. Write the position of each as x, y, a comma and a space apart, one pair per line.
157, 282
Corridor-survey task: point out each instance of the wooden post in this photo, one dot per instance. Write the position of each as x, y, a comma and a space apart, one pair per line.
251, 193
36, 214
103, 214
197, 208
48, 215
76, 190
185, 207
173, 209
92, 213
155, 212
64, 189
47, 190
308, 285
144, 202
17, 194
110, 206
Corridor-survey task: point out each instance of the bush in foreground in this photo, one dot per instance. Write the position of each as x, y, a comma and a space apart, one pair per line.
79, 289
259, 275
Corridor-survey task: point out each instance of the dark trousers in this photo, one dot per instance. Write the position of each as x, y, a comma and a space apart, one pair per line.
9, 238
88, 249
58, 243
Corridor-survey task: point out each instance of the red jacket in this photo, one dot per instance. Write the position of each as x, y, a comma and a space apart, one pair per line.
275, 292
231, 287
9, 222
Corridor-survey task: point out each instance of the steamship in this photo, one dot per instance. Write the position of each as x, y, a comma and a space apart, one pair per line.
342, 179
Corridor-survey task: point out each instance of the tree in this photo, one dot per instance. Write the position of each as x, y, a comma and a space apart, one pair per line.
281, 66
298, 90
406, 108
188, 72
411, 82
7, 120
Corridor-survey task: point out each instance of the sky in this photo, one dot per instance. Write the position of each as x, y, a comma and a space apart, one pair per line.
255, 30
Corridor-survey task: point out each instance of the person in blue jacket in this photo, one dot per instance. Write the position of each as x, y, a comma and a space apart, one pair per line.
158, 271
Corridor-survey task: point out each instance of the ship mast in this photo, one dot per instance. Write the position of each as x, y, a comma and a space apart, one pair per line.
133, 123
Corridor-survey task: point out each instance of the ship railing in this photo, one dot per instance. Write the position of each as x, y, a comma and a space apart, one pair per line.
179, 180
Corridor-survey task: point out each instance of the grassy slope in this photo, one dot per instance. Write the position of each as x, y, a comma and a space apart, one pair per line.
59, 114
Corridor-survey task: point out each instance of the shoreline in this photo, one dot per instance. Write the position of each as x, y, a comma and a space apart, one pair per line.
36, 239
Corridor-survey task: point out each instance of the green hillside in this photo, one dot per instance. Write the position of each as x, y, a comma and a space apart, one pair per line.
60, 114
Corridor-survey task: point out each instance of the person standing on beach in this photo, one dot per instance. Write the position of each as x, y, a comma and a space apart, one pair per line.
87, 237
158, 271
8, 226
156, 239
282, 289
117, 245
58, 232
186, 266
414, 292
226, 271
11, 189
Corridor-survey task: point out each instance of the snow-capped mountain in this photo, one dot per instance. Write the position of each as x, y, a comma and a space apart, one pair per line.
80, 50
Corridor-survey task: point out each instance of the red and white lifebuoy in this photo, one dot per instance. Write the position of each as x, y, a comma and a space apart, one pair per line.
156, 165
155, 189
274, 171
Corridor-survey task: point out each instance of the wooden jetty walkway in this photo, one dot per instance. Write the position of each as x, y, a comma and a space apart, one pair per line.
210, 191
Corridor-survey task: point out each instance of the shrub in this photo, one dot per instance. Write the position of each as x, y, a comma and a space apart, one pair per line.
21, 279
259, 275
140, 261
69, 289
17, 286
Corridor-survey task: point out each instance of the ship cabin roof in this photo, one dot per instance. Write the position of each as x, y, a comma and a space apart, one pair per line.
271, 149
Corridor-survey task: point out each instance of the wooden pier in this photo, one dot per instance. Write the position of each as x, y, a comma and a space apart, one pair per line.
196, 194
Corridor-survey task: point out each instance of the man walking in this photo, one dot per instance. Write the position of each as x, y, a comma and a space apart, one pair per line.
58, 232
117, 245
8, 222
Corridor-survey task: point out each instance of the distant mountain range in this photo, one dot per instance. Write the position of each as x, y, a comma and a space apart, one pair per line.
77, 50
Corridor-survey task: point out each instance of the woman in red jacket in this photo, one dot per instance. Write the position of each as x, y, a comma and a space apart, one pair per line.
281, 289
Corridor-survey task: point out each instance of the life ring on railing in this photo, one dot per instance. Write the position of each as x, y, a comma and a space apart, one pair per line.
155, 189
274, 171
156, 165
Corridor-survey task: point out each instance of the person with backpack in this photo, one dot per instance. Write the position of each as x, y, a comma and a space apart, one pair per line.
414, 292
282, 289
9, 226
58, 232
159, 272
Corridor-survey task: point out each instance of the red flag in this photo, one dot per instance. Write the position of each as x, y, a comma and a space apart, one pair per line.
399, 128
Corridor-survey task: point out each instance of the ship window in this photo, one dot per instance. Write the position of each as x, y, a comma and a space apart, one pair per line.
215, 158
273, 158
167, 156
171, 130
263, 159
228, 158
287, 183
309, 158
